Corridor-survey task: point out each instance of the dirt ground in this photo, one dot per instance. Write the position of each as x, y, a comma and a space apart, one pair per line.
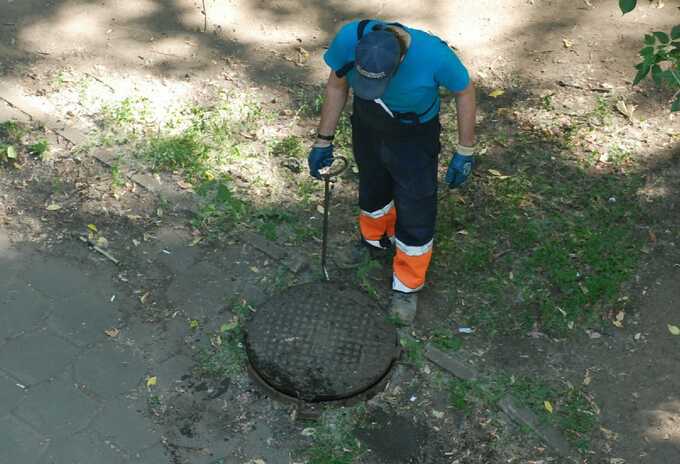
173, 51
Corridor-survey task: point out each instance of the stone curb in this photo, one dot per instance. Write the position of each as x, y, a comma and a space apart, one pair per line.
511, 407
450, 364
524, 416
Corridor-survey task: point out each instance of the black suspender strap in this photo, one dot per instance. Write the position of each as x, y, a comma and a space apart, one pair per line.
342, 72
361, 28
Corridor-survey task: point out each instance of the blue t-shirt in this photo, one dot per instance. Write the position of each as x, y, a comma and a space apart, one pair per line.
429, 63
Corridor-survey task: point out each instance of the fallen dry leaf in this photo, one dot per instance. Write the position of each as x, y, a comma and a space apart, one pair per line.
112, 332
53, 207
497, 93
587, 379
626, 109
618, 321
548, 406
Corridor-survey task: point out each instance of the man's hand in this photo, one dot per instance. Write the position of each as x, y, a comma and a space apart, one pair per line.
319, 157
460, 168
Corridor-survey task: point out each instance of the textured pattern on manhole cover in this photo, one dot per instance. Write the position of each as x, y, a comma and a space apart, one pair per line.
320, 342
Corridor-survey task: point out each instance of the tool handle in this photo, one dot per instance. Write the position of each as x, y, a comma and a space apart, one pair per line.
340, 164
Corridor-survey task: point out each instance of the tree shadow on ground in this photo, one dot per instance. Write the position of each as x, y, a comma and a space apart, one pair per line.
179, 24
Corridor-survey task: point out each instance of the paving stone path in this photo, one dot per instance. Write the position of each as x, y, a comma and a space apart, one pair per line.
67, 391
70, 393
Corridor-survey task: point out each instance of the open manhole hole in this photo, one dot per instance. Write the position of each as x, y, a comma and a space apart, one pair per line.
321, 342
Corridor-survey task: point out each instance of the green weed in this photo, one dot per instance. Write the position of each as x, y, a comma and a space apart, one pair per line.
12, 132
413, 351
39, 148
444, 339
268, 220
364, 276
550, 245
225, 356
177, 152
289, 146
459, 394
117, 177
221, 210
333, 440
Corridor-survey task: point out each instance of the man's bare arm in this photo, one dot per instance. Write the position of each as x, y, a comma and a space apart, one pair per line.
466, 108
336, 93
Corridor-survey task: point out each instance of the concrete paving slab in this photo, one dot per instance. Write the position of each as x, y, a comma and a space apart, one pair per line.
151, 340
36, 357
19, 443
59, 279
7, 253
83, 317
22, 309
108, 370
170, 372
57, 408
201, 291
173, 251
10, 394
155, 455
83, 448
121, 423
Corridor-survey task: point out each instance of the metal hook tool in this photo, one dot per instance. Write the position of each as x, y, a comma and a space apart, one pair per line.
326, 174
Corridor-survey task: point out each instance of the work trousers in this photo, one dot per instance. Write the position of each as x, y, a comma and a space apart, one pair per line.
398, 196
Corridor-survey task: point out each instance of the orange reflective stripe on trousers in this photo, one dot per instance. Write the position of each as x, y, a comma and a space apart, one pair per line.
376, 224
410, 267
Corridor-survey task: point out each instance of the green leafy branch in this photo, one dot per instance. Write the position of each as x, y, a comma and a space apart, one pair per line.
660, 57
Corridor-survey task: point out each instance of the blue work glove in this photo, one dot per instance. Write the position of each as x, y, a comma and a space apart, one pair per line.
319, 157
459, 170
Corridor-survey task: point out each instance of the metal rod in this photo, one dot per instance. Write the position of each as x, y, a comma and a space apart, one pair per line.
324, 243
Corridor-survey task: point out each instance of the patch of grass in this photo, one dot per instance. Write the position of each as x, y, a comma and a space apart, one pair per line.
573, 412
364, 276
126, 113
550, 245
343, 133
225, 356
39, 148
12, 131
306, 188
414, 351
291, 145
444, 339
117, 177
268, 220
309, 101
222, 210
459, 394
333, 438
183, 152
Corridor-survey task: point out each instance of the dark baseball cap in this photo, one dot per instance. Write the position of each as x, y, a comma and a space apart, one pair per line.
377, 58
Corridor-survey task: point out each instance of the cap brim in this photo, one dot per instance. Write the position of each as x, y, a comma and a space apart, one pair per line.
370, 89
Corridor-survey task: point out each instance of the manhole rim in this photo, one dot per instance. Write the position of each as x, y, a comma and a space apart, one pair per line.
345, 400
358, 394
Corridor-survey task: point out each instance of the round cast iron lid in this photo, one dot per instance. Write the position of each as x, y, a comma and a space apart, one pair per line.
320, 342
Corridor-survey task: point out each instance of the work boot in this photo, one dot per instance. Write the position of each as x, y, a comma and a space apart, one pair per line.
359, 252
404, 306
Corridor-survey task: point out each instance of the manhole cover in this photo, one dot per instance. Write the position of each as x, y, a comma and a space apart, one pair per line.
320, 342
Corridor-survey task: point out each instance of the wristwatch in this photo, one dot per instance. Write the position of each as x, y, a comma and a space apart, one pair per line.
328, 138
